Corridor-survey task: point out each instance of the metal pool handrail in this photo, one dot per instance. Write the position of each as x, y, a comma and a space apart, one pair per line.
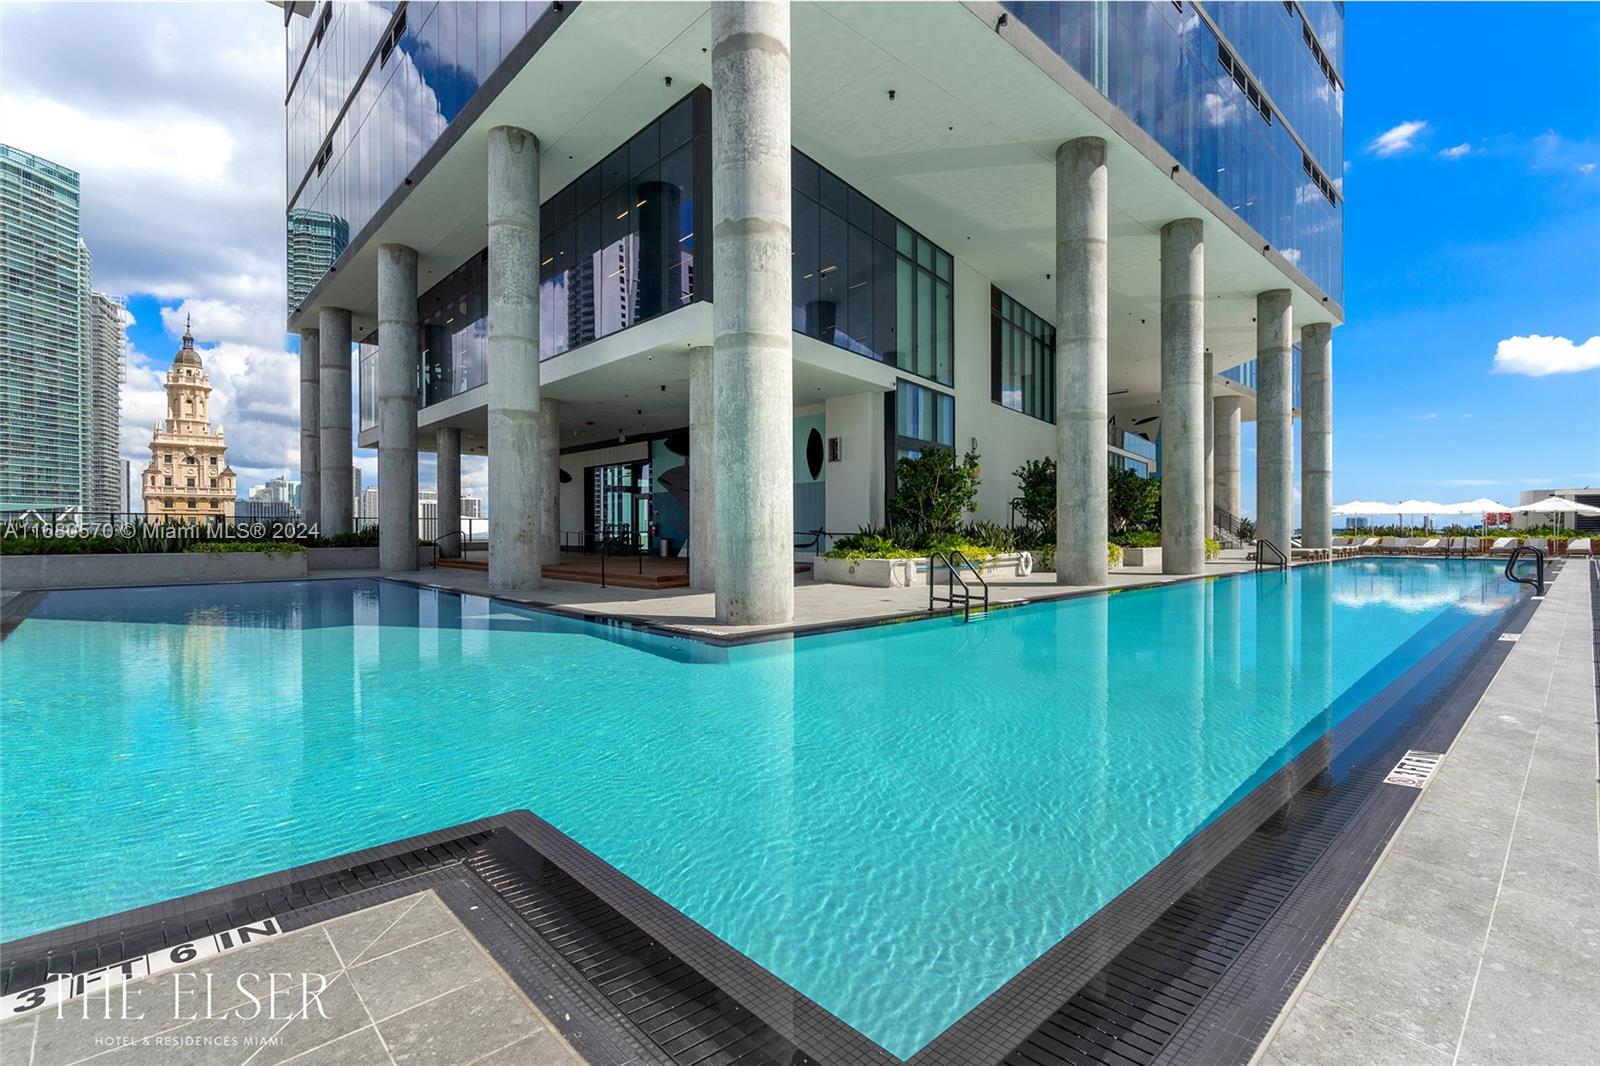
1283, 560
1537, 581
951, 580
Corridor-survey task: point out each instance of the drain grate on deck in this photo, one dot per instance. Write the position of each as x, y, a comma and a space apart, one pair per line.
680, 1010
1415, 769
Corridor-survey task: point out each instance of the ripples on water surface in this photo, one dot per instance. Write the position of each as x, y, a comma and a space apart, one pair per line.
895, 820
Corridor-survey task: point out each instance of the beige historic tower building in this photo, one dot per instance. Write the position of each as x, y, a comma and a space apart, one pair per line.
188, 479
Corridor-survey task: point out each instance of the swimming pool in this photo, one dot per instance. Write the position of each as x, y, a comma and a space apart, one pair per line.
895, 820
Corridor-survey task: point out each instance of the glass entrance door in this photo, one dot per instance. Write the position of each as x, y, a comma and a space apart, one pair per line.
619, 503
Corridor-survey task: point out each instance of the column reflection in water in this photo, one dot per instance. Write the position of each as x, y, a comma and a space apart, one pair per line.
1225, 632
1313, 681
1183, 659
329, 693
1274, 639
767, 673
1085, 655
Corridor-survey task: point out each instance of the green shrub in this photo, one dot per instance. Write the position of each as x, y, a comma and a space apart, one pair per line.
1144, 538
1113, 555
1132, 501
225, 547
360, 538
1247, 529
1036, 494
991, 535
1044, 557
1213, 548
933, 491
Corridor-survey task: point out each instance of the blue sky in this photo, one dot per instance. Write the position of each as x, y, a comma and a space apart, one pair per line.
1448, 253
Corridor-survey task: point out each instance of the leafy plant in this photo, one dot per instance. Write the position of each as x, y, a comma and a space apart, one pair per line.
991, 535
225, 547
1213, 548
1247, 529
1133, 502
933, 491
1036, 493
1113, 555
360, 538
1143, 538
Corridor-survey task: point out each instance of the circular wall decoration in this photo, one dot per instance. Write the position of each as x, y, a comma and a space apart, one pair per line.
814, 453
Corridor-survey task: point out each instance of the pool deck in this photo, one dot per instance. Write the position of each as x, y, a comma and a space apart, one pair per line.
817, 605
398, 983
1476, 939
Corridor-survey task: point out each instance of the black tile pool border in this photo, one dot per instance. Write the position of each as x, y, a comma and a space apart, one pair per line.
987, 1033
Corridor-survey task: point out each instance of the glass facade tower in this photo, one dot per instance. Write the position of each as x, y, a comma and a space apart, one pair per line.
44, 311
1247, 96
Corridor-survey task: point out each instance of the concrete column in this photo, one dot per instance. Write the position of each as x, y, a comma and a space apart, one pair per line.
337, 509
550, 500
397, 407
1226, 426
1316, 435
1274, 419
447, 484
702, 471
1081, 331
1208, 441
1183, 420
516, 468
753, 369
310, 431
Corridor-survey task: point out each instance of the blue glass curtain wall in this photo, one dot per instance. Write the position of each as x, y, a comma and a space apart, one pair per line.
866, 282
1159, 63
1022, 356
617, 246
405, 70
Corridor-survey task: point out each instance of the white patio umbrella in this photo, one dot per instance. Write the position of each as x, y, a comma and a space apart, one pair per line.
1481, 506
1360, 508
1556, 507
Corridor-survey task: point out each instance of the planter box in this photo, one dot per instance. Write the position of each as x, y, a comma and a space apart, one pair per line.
902, 573
872, 573
175, 568
1141, 556
342, 559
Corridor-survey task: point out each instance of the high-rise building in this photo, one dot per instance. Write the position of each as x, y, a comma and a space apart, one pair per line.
107, 370
471, 507
367, 507
277, 490
1159, 183
188, 479
45, 338
315, 240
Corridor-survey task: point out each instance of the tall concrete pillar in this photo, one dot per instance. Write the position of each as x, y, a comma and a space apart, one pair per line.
1208, 441
398, 349
753, 369
1274, 419
310, 431
1081, 331
1316, 435
1183, 390
1226, 425
702, 471
550, 498
447, 485
516, 468
337, 509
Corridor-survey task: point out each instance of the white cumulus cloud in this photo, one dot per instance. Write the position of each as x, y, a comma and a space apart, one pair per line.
1538, 356
1457, 151
1398, 139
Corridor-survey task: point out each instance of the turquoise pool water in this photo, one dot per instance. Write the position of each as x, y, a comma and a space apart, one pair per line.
894, 820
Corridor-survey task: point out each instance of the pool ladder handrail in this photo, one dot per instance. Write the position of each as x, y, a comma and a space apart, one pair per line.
1283, 560
952, 578
1537, 581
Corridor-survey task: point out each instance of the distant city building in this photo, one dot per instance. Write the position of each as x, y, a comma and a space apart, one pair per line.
315, 240
367, 508
471, 507
125, 493
261, 510
106, 371
277, 490
60, 393
188, 479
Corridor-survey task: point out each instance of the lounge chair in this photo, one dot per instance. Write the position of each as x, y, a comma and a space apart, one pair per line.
1542, 543
1431, 546
1580, 547
1395, 545
1504, 545
1371, 544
